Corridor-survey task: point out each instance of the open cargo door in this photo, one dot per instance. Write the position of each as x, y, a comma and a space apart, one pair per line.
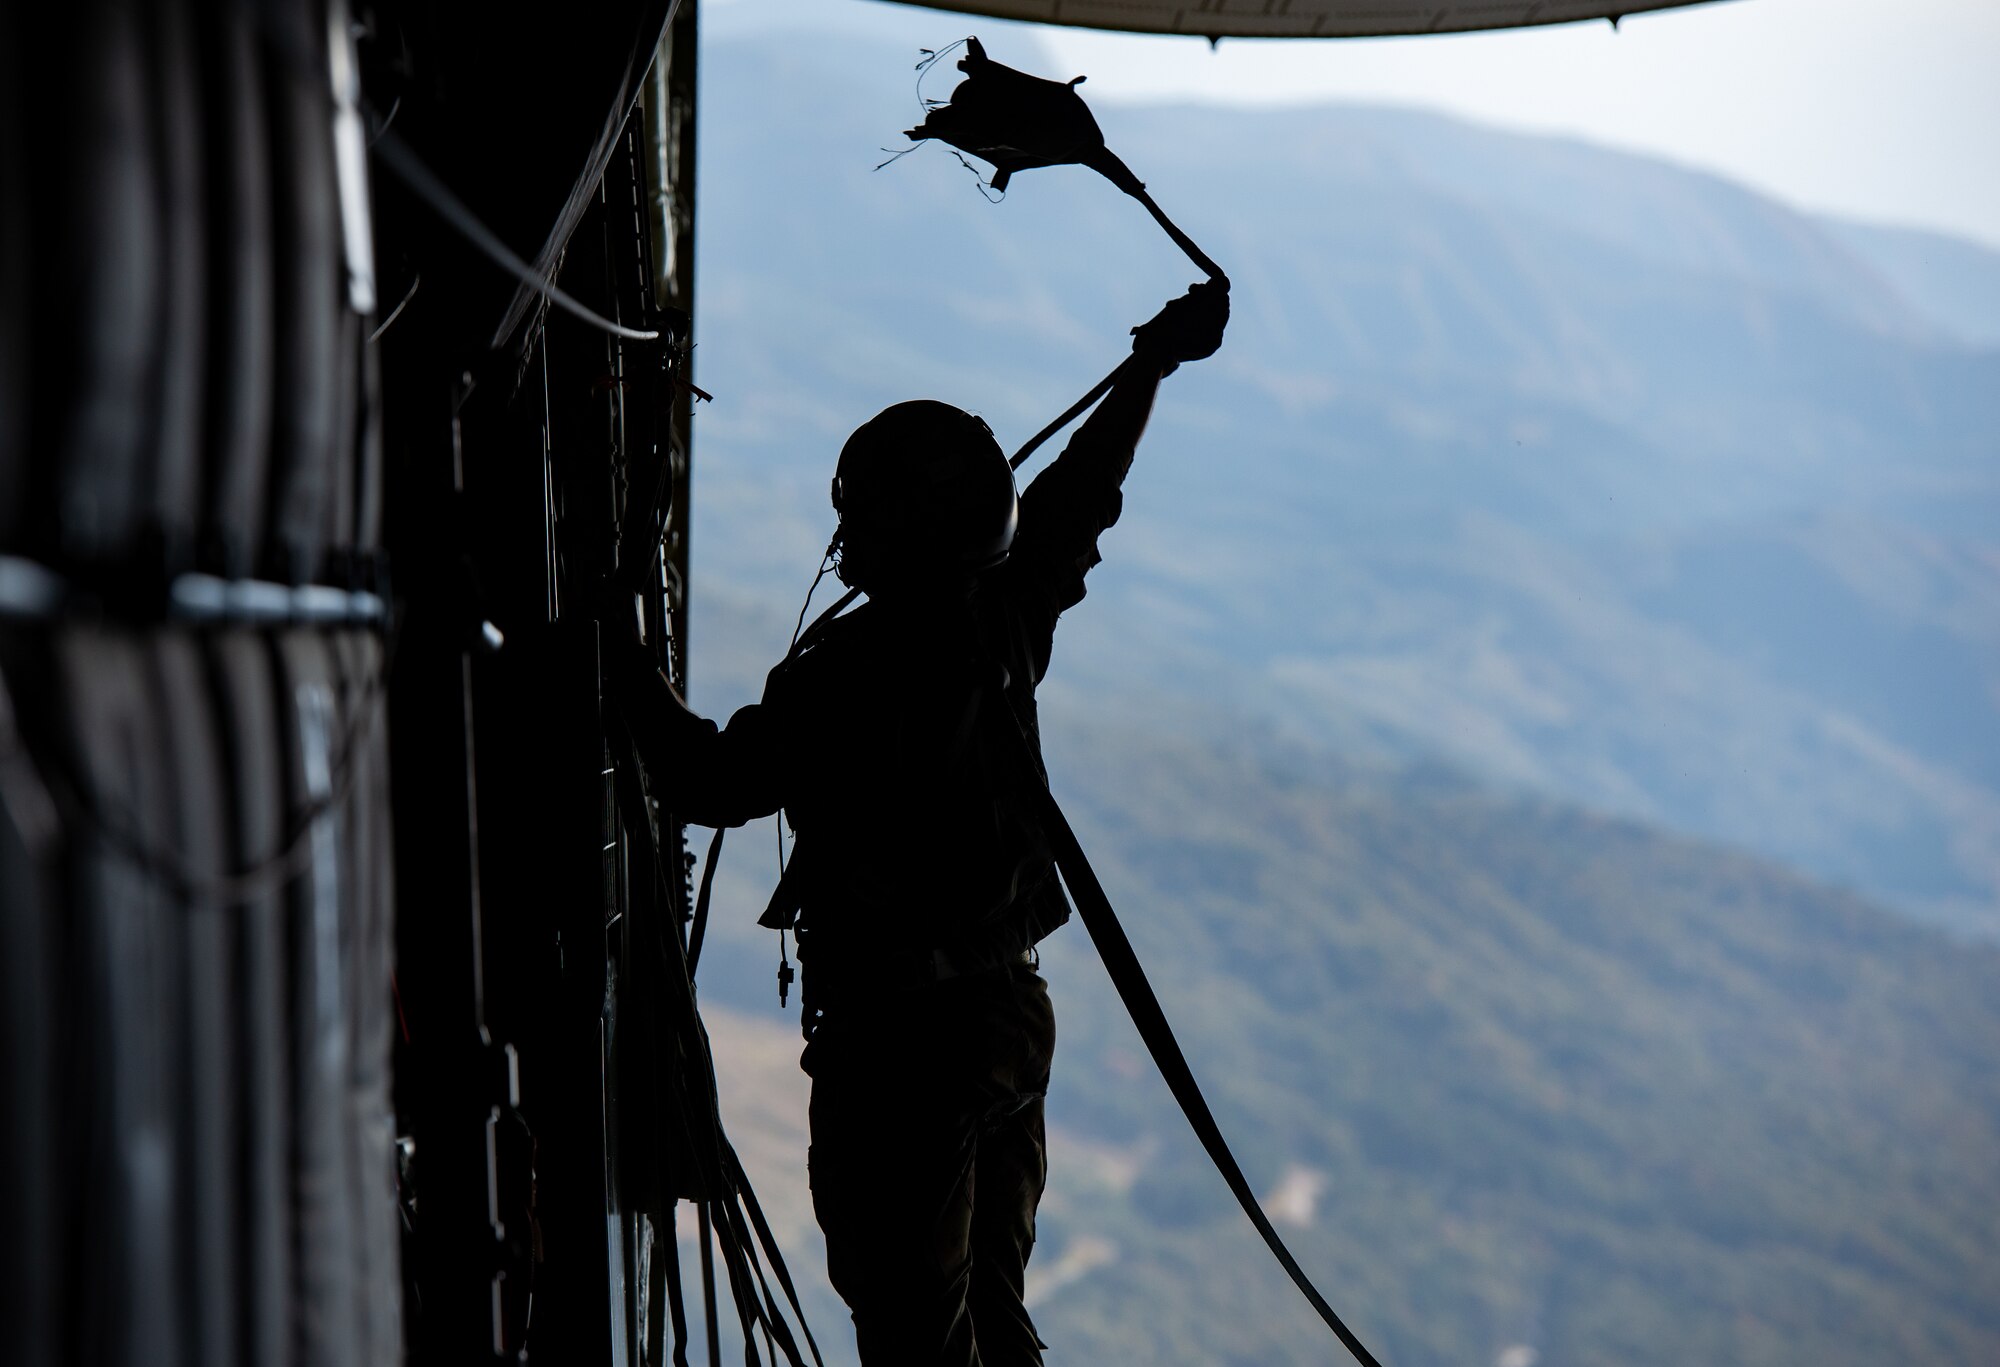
1301, 18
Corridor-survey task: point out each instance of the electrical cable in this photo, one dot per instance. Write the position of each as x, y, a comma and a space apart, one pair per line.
785, 974
810, 637
825, 563
396, 312
402, 162
76, 799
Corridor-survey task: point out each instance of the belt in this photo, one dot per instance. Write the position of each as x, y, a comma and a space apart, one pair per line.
830, 979
944, 966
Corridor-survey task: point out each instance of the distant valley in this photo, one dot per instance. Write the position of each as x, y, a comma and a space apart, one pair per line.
1510, 1075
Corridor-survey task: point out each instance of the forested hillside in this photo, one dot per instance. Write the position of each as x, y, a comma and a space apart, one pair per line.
1513, 1074
1573, 571
1510, 1075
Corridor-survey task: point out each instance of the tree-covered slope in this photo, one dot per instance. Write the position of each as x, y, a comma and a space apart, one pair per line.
1553, 1079
1955, 283
1511, 1075
1617, 486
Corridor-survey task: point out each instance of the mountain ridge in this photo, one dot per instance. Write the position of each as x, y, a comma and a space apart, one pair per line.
1450, 452
1495, 630
1513, 1073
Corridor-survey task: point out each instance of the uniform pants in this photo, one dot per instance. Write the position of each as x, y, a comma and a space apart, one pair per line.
928, 1161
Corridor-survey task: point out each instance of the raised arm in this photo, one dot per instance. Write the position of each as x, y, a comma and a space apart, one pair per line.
1079, 496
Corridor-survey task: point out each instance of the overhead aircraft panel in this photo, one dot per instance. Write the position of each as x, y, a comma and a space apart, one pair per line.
1301, 18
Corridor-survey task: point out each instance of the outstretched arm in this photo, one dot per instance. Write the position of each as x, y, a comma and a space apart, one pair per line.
708, 775
1110, 435
1079, 496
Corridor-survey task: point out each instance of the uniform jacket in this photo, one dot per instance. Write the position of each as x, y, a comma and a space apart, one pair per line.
892, 745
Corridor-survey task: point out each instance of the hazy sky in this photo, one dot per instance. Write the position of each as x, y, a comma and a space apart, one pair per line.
1885, 110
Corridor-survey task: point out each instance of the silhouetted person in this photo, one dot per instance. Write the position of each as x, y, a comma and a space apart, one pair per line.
920, 879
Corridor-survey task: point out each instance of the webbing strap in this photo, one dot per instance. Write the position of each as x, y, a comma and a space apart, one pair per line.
667, 1256
711, 1321
741, 1250
698, 929
749, 1313
769, 1240
1144, 1007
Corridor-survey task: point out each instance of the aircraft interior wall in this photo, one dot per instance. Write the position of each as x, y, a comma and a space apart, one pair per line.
313, 522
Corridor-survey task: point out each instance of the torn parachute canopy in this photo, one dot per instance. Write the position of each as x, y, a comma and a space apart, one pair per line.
1302, 18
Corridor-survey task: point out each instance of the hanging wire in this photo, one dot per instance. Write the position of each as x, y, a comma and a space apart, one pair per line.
731, 1214
78, 800
986, 190
931, 57
396, 312
397, 156
388, 120
826, 563
896, 154
403, 163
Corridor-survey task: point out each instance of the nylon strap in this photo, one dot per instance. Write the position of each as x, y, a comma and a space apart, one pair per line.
749, 1314
1144, 1007
711, 1321
763, 1305
699, 927
772, 1253
666, 1285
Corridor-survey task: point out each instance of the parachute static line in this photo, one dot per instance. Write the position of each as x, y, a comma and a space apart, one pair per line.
1128, 976
1016, 122
1068, 415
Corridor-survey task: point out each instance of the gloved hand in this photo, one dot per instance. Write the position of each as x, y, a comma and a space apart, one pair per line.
633, 677
1187, 329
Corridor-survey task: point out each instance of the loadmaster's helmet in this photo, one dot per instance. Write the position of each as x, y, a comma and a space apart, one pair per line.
923, 492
